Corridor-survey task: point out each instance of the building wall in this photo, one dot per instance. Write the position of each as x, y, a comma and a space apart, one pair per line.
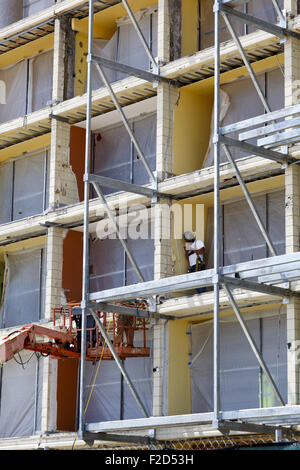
182, 142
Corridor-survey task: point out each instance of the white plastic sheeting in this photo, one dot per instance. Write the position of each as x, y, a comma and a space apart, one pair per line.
15, 79
108, 402
5, 193
40, 85
11, 11
15, 10
110, 266
23, 186
29, 186
242, 384
125, 46
239, 101
24, 295
241, 238
107, 264
117, 158
28, 86
107, 50
130, 49
262, 9
20, 395
34, 6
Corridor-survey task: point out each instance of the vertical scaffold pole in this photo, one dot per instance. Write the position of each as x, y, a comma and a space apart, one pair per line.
85, 271
216, 214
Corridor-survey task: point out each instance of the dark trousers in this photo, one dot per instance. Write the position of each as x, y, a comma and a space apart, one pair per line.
192, 269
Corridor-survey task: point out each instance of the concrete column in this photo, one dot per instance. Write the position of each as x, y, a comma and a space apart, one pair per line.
53, 298
291, 6
59, 61
163, 263
167, 98
292, 213
49, 402
63, 188
163, 44
53, 294
62, 182
62, 191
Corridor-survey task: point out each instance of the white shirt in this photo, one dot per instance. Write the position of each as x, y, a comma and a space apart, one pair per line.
196, 245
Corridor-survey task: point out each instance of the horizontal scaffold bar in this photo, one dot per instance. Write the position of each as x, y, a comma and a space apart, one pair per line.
122, 310
260, 24
280, 414
251, 149
258, 287
203, 278
135, 72
124, 186
261, 119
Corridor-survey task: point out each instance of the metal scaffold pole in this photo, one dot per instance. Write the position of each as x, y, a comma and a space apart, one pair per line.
85, 272
216, 215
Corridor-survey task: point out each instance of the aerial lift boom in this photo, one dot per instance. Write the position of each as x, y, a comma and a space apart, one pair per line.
63, 340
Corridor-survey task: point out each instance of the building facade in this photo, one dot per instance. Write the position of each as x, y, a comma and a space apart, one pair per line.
44, 47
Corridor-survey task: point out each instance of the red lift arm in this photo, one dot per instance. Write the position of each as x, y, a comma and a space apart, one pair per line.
63, 341
38, 338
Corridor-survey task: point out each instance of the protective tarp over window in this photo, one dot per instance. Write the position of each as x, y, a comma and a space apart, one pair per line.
116, 157
21, 395
11, 11
5, 193
262, 9
28, 86
243, 385
40, 86
111, 398
34, 6
23, 186
241, 238
110, 266
24, 293
125, 46
15, 79
239, 101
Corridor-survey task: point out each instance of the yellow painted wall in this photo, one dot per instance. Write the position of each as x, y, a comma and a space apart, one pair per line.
192, 122
81, 48
104, 27
28, 50
22, 245
179, 390
24, 147
105, 21
189, 27
193, 114
255, 187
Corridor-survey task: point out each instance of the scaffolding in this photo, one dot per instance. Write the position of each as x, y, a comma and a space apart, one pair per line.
273, 131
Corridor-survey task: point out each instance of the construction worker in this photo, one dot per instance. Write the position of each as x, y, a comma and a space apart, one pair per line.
194, 252
90, 333
125, 324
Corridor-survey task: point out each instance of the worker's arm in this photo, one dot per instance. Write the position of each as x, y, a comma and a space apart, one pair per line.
187, 252
198, 252
200, 248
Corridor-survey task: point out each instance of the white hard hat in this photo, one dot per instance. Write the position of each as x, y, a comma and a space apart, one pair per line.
189, 235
